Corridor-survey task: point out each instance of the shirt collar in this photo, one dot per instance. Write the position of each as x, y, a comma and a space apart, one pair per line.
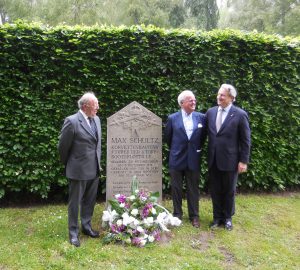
184, 113
84, 115
226, 109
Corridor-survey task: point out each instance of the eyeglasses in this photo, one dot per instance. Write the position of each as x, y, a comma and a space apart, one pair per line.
191, 101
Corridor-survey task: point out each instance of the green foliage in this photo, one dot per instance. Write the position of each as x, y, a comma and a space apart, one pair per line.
276, 16
45, 70
206, 13
134, 185
161, 13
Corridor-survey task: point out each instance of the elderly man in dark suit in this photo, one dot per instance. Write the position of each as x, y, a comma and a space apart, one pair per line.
185, 135
80, 150
228, 153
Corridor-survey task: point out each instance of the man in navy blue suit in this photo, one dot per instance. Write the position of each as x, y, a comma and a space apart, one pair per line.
228, 153
185, 135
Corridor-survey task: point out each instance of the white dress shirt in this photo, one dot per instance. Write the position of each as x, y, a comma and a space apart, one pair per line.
225, 112
188, 123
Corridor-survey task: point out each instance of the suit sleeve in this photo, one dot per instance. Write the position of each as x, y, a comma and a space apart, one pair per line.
65, 140
168, 132
244, 137
204, 130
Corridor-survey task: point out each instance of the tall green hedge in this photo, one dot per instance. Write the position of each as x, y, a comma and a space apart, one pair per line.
43, 71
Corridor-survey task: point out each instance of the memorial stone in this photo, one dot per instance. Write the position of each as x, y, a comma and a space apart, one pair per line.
134, 149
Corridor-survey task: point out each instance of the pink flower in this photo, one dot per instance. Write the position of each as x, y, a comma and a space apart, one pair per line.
156, 235
146, 210
127, 205
139, 242
121, 198
117, 229
143, 195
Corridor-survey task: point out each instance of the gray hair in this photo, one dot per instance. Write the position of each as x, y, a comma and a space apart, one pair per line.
183, 95
230, 89
85, 99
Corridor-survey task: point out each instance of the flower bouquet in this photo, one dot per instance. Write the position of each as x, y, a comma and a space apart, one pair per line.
136, 219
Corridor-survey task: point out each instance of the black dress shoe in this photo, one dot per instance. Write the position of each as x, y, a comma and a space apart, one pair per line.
75, 241
228, 225
195, 222
91, 233
216, 223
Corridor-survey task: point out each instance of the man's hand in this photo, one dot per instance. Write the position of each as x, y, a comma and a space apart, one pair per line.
242, 167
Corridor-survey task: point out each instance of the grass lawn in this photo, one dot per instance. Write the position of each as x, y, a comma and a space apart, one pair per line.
266, 235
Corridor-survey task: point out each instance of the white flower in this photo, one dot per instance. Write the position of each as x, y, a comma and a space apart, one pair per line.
117, 196
162, 221
128, 240
161, 217
136, 222
109, 216
132, 225
119, 222
174, 221
132, 198
140, 229
151, 238
134, 212
153, 211
143, 199
127, 219
122, 205
143, 243
148, 221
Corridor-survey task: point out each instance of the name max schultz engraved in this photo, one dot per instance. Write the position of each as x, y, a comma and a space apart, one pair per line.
134, 148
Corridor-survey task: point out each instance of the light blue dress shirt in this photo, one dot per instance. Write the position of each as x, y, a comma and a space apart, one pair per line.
188, 123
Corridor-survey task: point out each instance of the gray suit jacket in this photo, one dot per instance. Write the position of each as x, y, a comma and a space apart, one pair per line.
79, 149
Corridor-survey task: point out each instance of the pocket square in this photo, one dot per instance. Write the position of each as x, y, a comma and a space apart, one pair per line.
200, 125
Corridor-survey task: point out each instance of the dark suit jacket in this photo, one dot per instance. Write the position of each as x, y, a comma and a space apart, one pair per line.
184, 153
79, 149
232, 143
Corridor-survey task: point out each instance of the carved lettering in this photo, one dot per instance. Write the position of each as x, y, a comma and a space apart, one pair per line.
134, 148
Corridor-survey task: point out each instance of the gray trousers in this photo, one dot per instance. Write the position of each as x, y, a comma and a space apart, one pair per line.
82, 195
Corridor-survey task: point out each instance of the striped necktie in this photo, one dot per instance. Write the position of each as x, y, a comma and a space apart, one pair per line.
219, 119
93, 127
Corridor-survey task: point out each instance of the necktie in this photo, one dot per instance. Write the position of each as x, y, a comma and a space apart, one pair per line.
93, 127
219, 119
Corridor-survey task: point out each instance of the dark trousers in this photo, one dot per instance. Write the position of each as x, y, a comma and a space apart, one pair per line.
82, 195
192, 186
222, 188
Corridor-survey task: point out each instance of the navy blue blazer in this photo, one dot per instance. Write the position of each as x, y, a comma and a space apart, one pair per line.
231, 144
185, 153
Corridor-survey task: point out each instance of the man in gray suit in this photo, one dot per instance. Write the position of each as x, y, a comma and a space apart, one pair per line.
228, 153
80, 150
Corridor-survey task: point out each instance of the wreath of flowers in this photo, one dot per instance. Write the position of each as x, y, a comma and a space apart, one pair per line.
136, 219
